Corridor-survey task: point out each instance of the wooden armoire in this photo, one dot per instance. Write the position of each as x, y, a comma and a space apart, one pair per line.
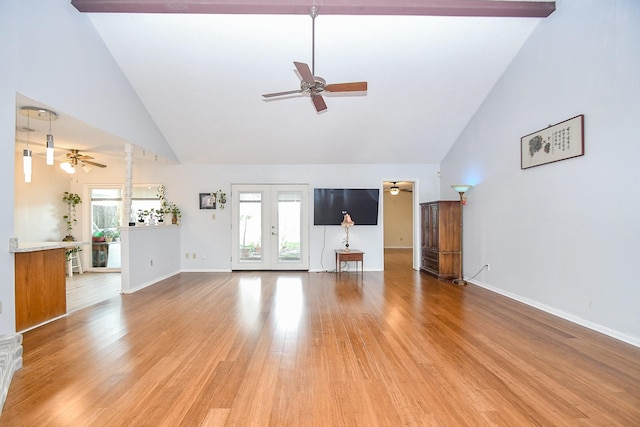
441, 225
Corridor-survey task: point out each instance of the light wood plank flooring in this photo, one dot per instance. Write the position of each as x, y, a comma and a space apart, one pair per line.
84, 290
320, 349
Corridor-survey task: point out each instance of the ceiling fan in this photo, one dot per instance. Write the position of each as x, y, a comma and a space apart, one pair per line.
314, 85
74, 158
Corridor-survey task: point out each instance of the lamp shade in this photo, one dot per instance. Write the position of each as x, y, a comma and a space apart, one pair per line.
347, 221
394, 190
461, 188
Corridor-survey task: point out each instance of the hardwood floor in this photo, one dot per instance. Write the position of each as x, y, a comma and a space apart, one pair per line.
320, 349
84, 290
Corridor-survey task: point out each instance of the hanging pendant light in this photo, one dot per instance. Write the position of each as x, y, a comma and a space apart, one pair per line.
50, 149
26, 164
42, 114
50, 143
394, 190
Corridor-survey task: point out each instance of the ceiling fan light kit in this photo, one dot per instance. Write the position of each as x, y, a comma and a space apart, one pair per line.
312, 84
75, 158
68, 167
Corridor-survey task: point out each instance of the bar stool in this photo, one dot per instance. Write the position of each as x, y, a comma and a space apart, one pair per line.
74, 262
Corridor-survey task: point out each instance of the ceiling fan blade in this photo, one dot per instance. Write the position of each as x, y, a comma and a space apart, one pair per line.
74, 154
289, 92
347, 87
319, 103
305, 72
100, 165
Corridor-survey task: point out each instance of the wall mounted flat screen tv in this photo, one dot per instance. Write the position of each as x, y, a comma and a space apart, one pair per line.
329, 203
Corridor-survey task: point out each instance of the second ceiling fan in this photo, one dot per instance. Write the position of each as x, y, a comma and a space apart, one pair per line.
314, 85
74, 158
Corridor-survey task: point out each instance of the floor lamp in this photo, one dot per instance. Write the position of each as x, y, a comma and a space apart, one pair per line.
461, 189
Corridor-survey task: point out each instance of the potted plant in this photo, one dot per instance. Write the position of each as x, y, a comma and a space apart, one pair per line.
167, 208
109, 234
142, 215
72, 200
158, 214
98, 236
175, 212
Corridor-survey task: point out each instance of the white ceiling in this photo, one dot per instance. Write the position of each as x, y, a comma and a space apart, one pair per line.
201, 78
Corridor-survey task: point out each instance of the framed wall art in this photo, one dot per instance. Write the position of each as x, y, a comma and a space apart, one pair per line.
557, 142
207, 200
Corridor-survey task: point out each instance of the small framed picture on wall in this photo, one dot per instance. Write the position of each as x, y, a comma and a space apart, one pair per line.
207, 200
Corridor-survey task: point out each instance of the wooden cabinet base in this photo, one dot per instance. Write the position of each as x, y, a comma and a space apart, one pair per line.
41, 290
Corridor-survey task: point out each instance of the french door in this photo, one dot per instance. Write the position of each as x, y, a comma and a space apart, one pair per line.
270, 227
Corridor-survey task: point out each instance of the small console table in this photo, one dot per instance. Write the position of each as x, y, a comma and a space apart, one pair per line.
350, 255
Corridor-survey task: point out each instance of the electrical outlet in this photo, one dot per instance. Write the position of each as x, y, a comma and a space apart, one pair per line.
1, 306
213, 216
186, 255
488, 266
194, 256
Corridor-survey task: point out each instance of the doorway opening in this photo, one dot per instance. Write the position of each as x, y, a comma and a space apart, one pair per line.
399, 219
106, 218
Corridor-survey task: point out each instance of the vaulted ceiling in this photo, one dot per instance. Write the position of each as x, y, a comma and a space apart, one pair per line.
200, 68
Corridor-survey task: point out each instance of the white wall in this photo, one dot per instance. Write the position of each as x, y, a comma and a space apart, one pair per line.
562, 236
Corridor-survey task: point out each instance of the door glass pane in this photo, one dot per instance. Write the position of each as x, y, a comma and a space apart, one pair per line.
289, 233
250, 229
106, 212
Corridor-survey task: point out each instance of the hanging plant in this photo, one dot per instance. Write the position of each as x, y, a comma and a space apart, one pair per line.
72, 200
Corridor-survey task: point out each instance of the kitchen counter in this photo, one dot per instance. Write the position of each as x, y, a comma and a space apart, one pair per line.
43, 246
40, 282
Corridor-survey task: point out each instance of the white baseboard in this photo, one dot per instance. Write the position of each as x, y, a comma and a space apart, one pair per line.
150, 282
567, 316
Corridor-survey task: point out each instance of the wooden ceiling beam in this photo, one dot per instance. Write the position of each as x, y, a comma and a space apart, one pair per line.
486, 8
